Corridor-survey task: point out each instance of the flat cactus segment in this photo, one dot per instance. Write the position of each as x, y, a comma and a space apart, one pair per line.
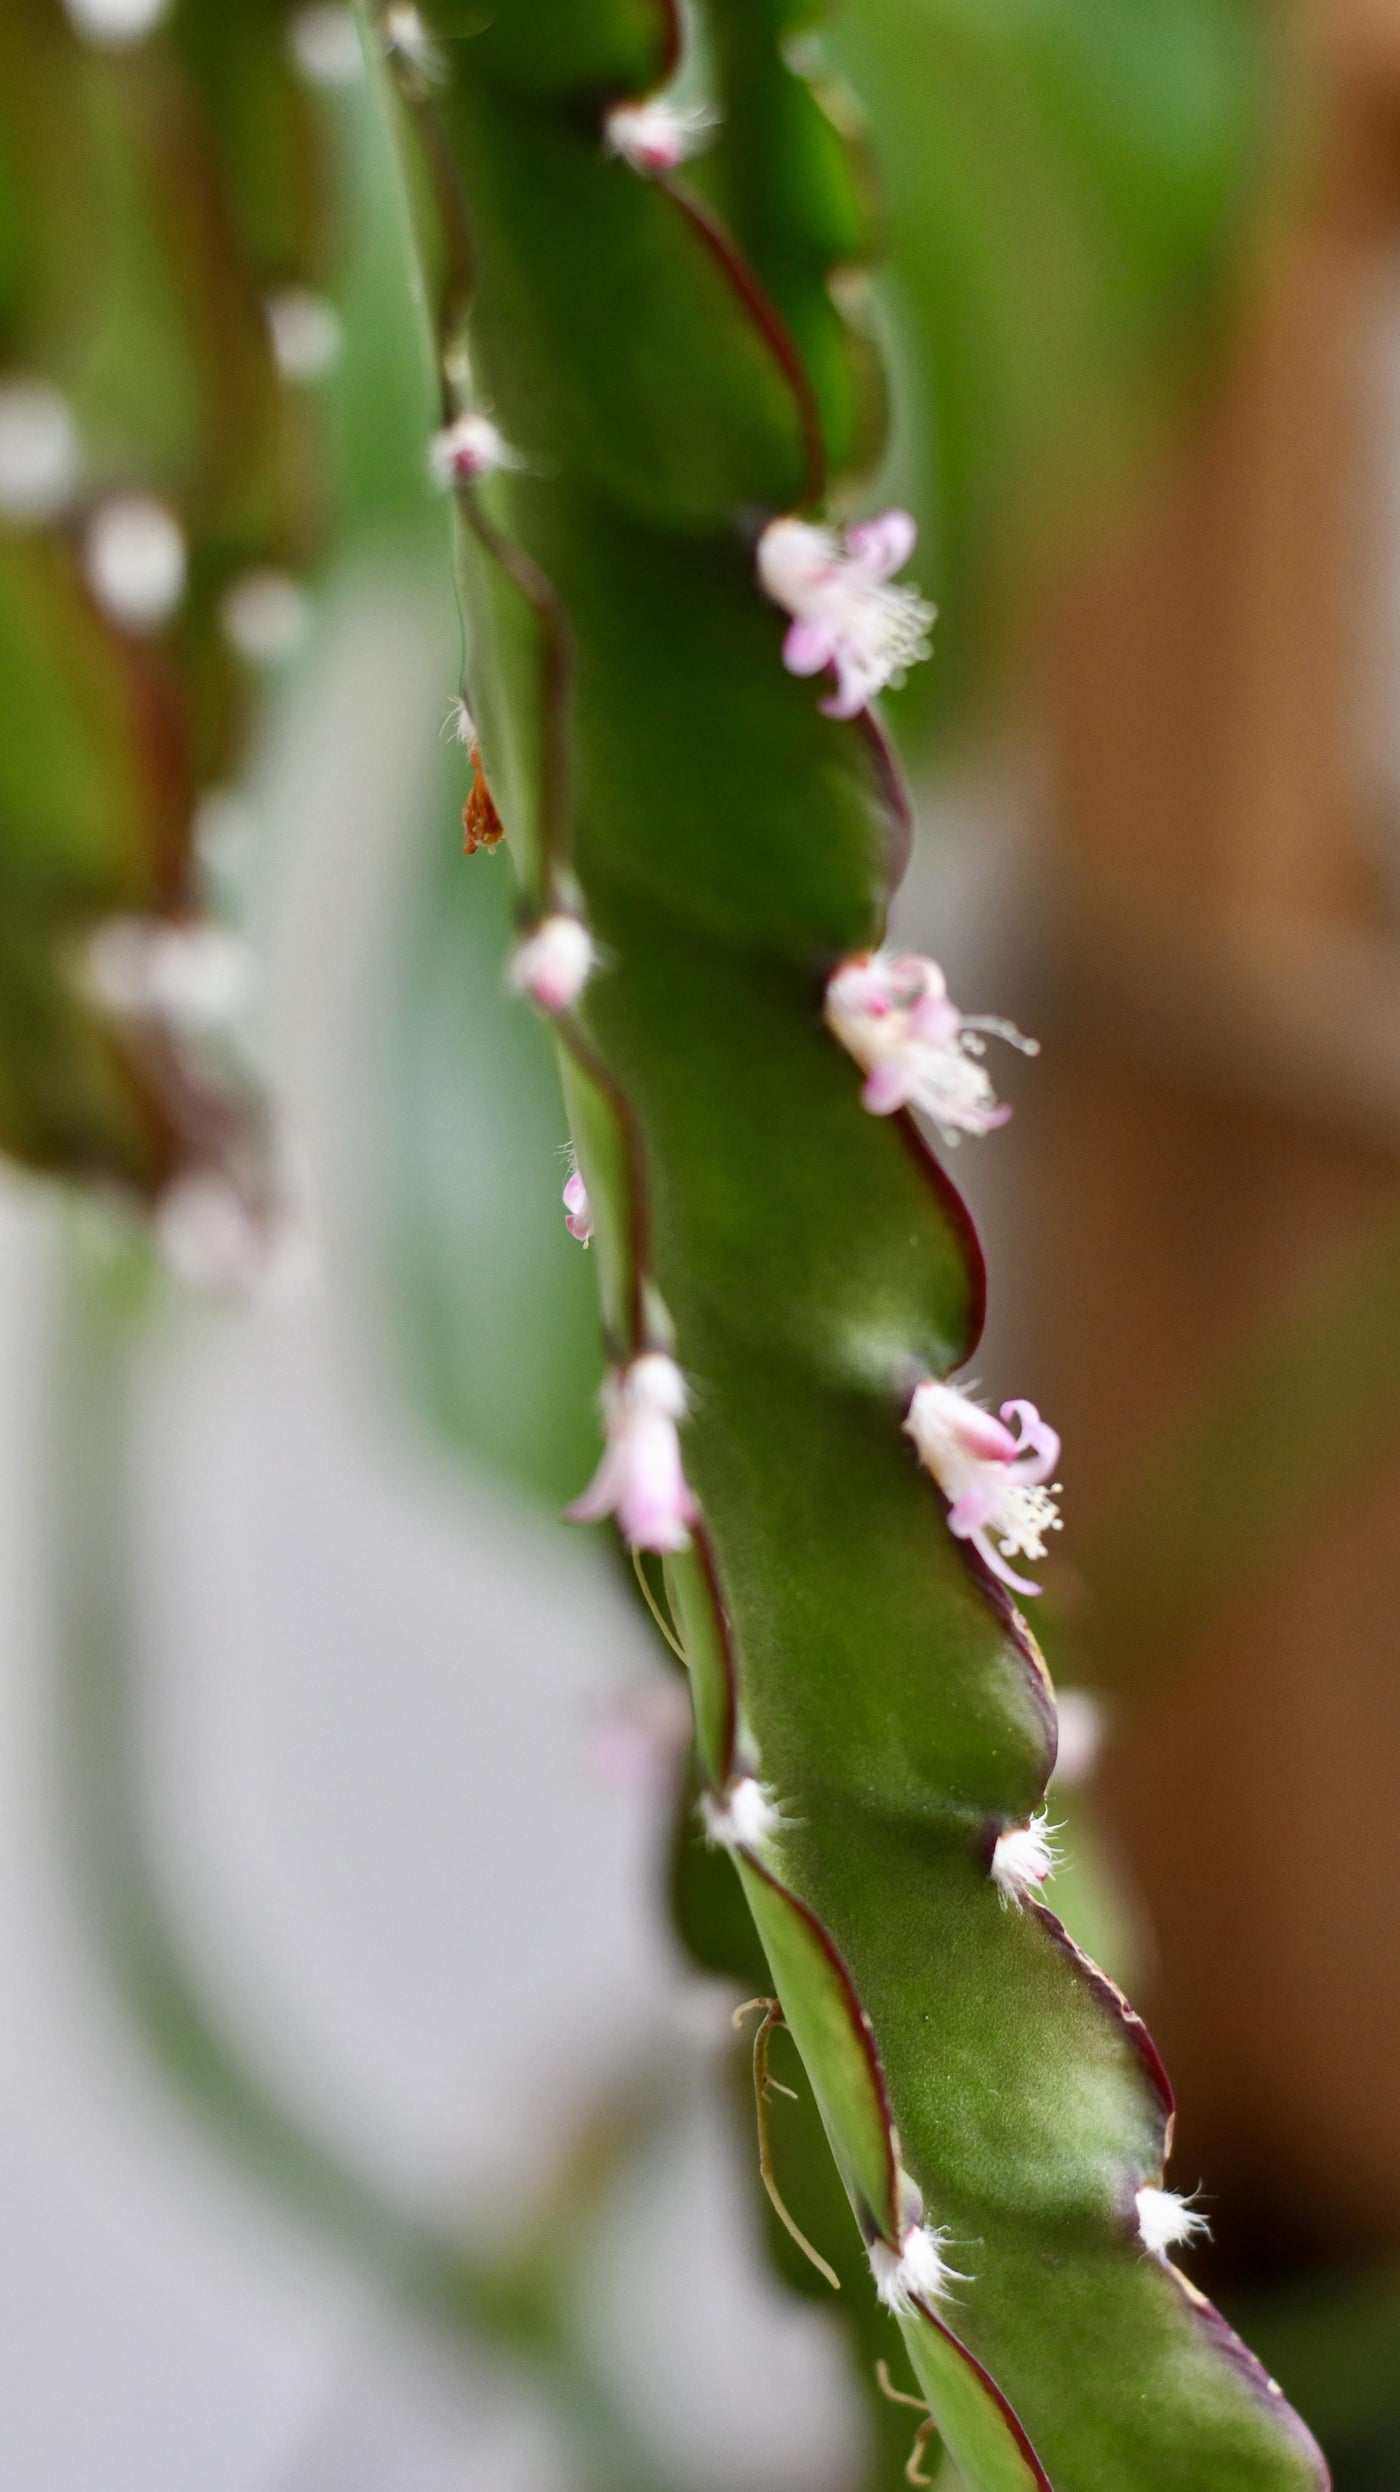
780, 1268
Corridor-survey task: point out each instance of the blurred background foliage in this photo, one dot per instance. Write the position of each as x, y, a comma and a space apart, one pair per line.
1086, 204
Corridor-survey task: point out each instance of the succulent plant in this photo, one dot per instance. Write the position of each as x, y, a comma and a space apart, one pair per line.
654, 422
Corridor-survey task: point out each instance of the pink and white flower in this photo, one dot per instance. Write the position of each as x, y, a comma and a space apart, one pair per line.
656, 134
893, 1013
578, 1211
1023, 1859
554, 963
471, 447
994, 1480
845, 614
640, 1479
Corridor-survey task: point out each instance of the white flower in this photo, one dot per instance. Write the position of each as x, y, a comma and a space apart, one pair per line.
266, 615
554, 963
38, 450
578, 1211
134, 559
193, 977
1023, 1859
116, 21
408, 43
917, 2270
306, 332
1166, 2219
742, 1817
656, 135
325, 44
640, 1479
994, 1482
893, 1013
470, 447
845, 615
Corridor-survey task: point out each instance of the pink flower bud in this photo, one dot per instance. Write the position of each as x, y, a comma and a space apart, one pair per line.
578, 1212
655, 135
640, 1479
468, 449
553, 965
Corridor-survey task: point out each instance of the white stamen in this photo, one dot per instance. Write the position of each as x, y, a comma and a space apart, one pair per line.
196, 978
1023, 1859
116, 21
307, 333
656, 135
1080, 1721
266, 615
1166, 2219
460, 725
845, 614
917, 2270
325, 44
553, 965
470, 447
134, 558
408, 43
742, 1817
38, 451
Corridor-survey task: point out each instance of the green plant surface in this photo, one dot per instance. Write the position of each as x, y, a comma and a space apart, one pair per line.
652, 760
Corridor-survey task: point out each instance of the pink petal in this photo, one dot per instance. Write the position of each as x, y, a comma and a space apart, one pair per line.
1038, 1452
880, 547
888, 1087
806, 648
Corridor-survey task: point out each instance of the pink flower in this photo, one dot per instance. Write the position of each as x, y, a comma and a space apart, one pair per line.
894, 1014
640, 1479
844, 613
554, 963
578, 1212
467, 449
656, 135
994, 1481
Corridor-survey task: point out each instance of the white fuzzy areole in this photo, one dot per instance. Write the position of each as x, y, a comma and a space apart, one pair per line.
1166, 2220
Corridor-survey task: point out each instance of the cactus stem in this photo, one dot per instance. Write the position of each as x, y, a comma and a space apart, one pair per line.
770, 324
765, 2085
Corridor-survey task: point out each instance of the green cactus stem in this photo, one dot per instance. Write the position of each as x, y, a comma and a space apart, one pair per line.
873, 1719
173, 208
